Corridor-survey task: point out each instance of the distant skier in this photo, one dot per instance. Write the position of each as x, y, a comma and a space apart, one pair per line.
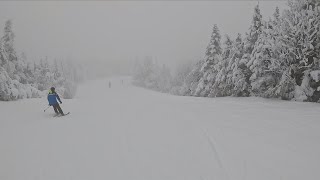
53, 99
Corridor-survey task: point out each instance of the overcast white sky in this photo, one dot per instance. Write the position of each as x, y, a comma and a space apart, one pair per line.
113, 31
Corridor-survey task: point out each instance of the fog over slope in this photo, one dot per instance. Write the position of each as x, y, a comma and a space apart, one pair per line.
112, 34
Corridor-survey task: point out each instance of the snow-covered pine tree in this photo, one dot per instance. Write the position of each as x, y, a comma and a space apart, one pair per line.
15, 65
28, 72
276, 16
219, 87
5, 80
8, 40
5, 86
265, 64
12, 89
179, 77
254, 31
144, 73
56, 70
243, 73
212, 57
20, 66
150, 75
3, 55
236, 53
149, 72
236, 78
192, 80
44, 76
300, 29
8, 47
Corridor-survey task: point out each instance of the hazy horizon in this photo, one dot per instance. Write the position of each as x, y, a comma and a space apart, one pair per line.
114, 33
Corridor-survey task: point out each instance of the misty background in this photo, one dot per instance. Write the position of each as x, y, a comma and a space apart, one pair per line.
184, 100
108, 36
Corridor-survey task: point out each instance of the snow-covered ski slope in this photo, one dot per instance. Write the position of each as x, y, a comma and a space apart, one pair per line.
129, 133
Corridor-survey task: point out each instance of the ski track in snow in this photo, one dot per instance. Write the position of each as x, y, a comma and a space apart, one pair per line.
126, 132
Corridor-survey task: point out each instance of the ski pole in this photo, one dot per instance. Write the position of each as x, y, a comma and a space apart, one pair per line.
46, 109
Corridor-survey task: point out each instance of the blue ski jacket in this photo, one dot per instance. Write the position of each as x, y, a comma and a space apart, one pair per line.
53, 98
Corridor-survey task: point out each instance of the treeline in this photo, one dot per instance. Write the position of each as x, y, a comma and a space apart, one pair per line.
276, 58
150, 74
20, 78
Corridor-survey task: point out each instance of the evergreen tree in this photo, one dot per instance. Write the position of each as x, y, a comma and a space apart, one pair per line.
191, 82
150, 75
241, 72
236, 67
276, 16
179, 78
232, 77
213, 56
254, 31
300, 29
220, 85
8, 49
264, 63
8, 40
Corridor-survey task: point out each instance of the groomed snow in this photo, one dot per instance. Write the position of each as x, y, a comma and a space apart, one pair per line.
129, 133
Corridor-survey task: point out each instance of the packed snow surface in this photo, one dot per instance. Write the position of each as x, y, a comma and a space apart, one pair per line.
129, 133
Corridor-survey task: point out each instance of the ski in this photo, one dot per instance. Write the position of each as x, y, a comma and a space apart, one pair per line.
62, 115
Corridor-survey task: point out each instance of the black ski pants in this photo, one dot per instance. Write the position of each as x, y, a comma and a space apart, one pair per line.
57, 109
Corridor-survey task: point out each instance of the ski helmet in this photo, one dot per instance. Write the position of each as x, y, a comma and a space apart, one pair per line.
52, 89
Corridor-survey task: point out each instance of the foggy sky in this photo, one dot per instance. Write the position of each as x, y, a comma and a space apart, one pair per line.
109, 31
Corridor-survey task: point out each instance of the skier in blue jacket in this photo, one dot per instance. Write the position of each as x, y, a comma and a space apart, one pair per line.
53, 99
